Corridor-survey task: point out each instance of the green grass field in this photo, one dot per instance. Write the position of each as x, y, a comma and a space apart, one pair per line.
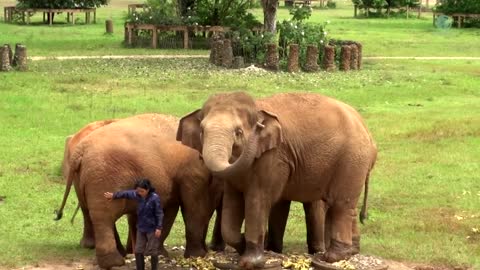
425, 116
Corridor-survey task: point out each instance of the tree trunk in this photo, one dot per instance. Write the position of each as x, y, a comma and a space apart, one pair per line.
293, 55
270, 15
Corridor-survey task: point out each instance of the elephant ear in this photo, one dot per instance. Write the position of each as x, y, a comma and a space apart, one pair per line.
270, 132
189, 131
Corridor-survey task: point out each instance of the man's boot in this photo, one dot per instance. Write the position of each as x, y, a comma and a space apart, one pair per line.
139, 261
154, 261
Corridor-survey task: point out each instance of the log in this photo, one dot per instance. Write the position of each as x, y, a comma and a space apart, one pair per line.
5, 59
360, 48
293, 55
238, 62
227, 54
345, 55
354, 57
272, 57
329, 58
312, 59
109, 26
20, 58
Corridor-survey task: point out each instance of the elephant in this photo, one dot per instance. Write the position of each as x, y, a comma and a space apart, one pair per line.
292, 146
114, 156
71, 142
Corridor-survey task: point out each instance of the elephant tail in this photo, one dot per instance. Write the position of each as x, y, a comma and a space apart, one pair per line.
364, 211
72, 174
75, 213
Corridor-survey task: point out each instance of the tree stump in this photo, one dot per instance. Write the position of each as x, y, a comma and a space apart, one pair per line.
329, 58
354, 57
5, 59
312, 59
109, 26
218, 52
227, 53
20, 58
272, 57
10, 54
359, 48
238, 62
293, 55
345, 55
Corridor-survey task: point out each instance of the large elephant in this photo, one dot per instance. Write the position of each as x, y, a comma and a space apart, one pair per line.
113, 157
71, 142
297, 147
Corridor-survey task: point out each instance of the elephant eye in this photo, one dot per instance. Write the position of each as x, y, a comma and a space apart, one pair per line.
238, 132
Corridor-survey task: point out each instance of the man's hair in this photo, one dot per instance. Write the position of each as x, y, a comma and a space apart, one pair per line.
145, 184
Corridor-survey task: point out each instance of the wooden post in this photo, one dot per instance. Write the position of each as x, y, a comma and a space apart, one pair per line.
73, 18
20, 58
312, 58
272, 57
185, 38
68, 17
355, 8
109, 26
329, 58
5, 14
4, 59
154, 37
50, 14
95, 16
293, 55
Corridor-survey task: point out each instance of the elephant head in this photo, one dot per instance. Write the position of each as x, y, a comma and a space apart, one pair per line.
230, 132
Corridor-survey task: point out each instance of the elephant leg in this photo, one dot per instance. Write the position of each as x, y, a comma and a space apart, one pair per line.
341, 231
277, 222
217, 243
169, 215
256, 214
315, 221
106, 250
355, 236
120, 247
88, 238
233, 212
132, 232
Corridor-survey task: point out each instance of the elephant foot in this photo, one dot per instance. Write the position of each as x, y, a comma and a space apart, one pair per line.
253, 257
337, 251
194, 252
163, 252
87, 242
217, 246
110, 260
355, 249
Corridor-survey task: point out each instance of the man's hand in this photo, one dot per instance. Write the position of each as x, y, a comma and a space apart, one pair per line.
158, 232
108, 195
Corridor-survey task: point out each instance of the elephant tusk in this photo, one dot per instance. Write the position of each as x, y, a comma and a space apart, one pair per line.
260, 125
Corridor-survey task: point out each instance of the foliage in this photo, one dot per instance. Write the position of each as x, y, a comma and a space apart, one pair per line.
458, 6
383, 7
331, 4
249, 44
231, 13
162, 12
296, 31
61, 3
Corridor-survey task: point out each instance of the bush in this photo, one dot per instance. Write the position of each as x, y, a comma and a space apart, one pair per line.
296, 31
331, 4
458, 6
162, 12
61, 3
380, 5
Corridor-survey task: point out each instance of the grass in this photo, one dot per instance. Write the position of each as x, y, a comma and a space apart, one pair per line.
424, 115
380, 37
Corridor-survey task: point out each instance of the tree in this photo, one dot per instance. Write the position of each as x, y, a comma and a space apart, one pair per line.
270, 15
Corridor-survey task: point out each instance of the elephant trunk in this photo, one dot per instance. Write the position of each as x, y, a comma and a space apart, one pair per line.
217, 151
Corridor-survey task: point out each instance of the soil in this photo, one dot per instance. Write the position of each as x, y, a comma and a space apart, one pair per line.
180, 264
